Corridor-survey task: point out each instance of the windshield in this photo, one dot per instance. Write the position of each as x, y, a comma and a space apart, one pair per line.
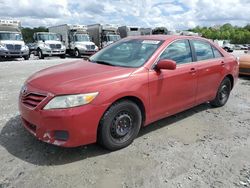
49, 36
127, 53
113, 37
11, 36
82, 38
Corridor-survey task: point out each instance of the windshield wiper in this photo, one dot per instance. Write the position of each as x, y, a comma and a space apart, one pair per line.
104, 63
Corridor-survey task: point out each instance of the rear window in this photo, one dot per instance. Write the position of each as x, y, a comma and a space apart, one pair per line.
203, 50
217, 53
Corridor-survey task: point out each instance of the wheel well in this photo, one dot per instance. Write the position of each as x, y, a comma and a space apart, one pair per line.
137, 101
231, 80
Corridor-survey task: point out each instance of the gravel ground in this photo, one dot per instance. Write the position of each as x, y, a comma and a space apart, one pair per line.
201, 147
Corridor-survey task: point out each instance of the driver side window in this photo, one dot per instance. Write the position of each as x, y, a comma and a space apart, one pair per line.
178, 51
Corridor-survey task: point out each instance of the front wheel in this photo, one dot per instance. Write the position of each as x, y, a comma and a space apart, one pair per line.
222, 93
40, 54
120, 125
62, 56
26, 57
77, 53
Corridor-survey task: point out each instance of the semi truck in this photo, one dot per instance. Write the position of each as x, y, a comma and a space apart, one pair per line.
126, 31
47, 44
76, 39
11, 40
104, 34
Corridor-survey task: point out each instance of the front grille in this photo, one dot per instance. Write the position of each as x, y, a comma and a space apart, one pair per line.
55, 46
13, 47
90, 47
32, 99
244, 70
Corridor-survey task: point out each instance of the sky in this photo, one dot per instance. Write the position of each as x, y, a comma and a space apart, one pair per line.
173, 14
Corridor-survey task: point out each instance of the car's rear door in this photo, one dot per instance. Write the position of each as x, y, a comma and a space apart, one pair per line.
210, 64
171, 91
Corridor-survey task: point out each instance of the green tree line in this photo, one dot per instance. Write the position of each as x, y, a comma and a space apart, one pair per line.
237, 35
28, 33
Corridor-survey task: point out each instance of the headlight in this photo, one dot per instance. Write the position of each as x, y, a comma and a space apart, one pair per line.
46, 46
82, 47
68, 101
3, 47
25, 48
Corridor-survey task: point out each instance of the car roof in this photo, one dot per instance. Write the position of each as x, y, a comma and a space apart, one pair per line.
165, 37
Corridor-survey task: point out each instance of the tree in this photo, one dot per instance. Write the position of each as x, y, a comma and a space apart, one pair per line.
28, 33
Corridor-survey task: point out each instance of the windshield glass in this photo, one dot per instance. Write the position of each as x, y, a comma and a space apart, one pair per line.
49, 36
113, 37
127, 53
11, 36
82, 38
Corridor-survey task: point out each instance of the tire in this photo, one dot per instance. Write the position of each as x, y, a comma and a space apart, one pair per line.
119, 125
40, 54
77, 53
223, 93
26, 57
62, 56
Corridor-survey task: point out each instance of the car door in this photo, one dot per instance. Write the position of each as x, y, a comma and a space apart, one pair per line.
172, 91
210, 67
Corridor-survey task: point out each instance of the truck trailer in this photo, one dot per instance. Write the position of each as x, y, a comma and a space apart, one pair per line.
76, 39
11, 40
126, 31
47, 44
104, 35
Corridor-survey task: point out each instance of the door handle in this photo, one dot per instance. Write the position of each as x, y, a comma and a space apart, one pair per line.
222, 63
192, 70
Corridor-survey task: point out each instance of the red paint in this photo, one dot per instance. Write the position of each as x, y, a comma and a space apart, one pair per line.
162, 93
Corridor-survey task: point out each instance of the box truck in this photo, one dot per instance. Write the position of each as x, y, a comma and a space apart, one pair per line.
47, 44
126, 31
76, 39
11, 40
104, 34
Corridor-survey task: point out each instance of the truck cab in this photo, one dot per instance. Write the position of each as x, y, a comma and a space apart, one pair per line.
76, 38
11, 40
48, 44
104, 34
80, 42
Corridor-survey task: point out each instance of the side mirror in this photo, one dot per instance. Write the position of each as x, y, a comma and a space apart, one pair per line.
166, 64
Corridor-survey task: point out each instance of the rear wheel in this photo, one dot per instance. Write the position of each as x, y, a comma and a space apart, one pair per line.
222, 93
119, 125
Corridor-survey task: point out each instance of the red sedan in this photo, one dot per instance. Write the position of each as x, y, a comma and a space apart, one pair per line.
123, 87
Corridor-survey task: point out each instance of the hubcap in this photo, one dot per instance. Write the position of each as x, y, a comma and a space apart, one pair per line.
122, 125
223, 93
76, 53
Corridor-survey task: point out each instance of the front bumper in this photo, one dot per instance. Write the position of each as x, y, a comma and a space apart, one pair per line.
13, 53
80, 123
53, 52
87, 52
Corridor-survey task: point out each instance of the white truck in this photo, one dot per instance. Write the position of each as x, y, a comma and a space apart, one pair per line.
126, 31
47, 44
11, 40
104, 34
76, 38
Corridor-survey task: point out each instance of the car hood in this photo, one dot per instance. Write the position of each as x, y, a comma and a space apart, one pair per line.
76, 77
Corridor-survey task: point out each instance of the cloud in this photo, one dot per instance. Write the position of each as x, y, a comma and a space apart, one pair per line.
173, 14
